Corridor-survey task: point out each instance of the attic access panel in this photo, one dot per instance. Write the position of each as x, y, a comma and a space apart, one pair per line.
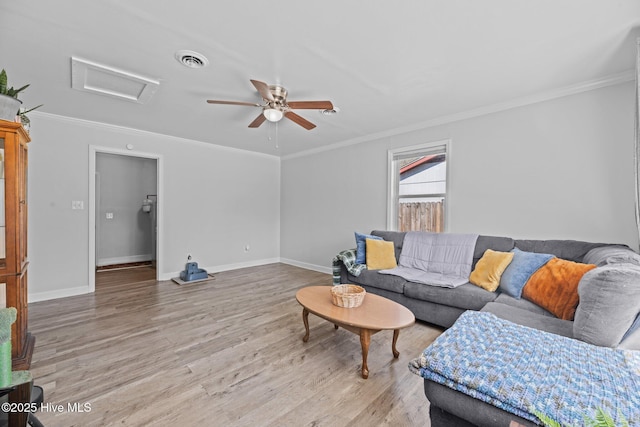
89, 76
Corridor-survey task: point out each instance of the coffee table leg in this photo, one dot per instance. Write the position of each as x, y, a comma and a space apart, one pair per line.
365, 340
305, 319
396, 353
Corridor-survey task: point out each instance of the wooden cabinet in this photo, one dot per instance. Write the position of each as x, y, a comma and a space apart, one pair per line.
13, 237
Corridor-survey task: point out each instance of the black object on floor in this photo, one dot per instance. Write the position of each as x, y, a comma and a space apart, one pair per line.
37, 397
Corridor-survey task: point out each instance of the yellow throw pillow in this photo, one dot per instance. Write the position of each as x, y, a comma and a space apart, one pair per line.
489, 269
380, 254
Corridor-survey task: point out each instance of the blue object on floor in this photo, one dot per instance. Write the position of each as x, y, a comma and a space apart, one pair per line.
192, 272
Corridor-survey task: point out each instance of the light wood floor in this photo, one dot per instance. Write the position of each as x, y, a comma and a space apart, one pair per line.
222, 353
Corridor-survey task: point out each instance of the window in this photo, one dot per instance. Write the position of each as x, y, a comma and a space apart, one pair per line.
418, 187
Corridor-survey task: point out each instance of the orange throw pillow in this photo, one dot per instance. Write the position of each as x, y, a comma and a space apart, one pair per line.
555, 286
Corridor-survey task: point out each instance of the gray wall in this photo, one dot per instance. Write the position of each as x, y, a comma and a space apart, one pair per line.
123, 182
559, 169
556, 169
204, 213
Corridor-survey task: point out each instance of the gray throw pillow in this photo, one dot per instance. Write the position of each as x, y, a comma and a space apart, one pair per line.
609, 304
611, 255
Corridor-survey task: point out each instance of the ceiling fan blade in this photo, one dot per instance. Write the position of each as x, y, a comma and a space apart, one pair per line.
250, 104
310, 105
263, 89
299, 120
258, 121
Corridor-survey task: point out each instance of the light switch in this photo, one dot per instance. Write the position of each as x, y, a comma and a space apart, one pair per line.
77, 204
109, 215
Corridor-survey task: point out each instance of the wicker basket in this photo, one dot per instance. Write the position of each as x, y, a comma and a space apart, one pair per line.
348, 296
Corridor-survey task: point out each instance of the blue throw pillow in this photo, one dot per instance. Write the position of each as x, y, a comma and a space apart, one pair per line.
361, 247
523, 265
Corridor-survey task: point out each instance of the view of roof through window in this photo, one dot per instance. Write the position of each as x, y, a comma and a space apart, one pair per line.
423, 179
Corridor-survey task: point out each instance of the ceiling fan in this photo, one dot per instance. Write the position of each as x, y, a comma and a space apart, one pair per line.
276, 106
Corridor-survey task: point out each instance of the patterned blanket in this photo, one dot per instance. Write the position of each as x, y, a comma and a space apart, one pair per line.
348, 258
525, 371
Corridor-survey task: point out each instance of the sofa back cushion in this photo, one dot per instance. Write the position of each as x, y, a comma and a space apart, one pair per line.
500, 244
609, 304
613, 254
571, 250
397, 237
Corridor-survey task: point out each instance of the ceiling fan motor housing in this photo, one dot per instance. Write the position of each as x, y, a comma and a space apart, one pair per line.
279, 94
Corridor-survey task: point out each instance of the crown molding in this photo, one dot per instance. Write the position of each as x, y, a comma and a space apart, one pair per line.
610, 80
139, 132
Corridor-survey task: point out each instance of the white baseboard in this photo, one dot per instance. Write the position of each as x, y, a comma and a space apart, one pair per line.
307, 266
123, 260
80, 290
59, 293
225, 267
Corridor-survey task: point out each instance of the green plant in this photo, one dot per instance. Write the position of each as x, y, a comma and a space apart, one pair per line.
5, 89
601, 419
546, 420
10, 91
23, 114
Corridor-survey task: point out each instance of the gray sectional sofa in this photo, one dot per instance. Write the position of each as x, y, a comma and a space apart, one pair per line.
609, 304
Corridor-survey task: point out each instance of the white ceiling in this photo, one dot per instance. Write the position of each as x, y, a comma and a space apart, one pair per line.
387, 65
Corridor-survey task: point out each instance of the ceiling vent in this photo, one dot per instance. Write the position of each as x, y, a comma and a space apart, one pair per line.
89, 76
191, 59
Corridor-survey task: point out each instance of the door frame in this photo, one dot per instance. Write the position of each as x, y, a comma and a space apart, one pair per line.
94, 150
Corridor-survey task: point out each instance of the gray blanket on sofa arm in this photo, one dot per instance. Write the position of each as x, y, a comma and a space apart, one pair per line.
438, 259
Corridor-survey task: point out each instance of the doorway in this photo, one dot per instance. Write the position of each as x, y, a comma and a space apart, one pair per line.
125, 213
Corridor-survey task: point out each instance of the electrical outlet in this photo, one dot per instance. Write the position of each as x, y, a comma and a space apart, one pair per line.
109, 215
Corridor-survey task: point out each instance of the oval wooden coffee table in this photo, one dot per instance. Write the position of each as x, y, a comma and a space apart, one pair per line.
375, 314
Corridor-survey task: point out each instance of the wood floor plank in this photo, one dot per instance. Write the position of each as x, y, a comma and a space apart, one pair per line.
226, 352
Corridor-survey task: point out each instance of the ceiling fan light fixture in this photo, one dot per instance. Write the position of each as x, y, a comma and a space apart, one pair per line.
273, 114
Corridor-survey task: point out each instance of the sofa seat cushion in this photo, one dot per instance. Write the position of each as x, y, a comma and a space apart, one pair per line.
523, 304
381, 281
524, 317
467, 296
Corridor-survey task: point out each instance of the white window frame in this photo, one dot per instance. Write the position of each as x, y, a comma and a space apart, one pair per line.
393, 177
